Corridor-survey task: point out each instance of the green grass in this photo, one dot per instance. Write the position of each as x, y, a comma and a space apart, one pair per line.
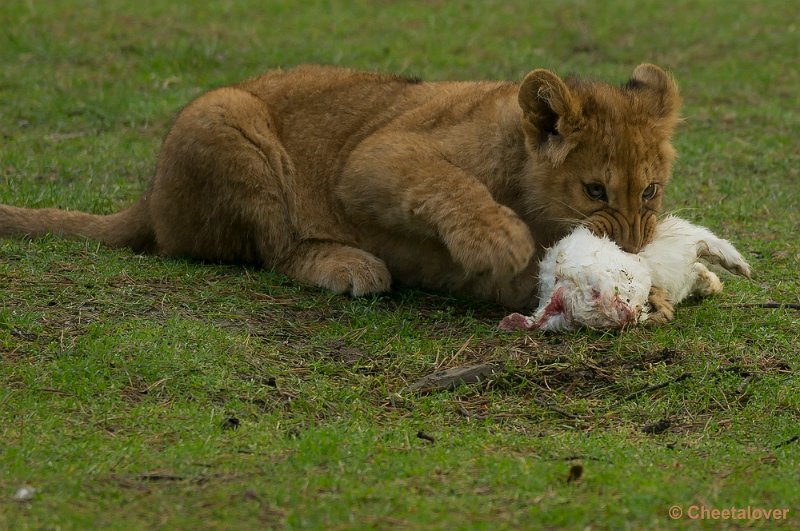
138, 392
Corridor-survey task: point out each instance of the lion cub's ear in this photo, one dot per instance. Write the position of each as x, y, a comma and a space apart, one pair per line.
662, 99
552, 114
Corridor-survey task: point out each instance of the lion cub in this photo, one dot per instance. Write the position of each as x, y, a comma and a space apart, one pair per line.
350, 180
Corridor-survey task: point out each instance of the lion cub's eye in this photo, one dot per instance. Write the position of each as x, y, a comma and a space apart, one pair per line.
650, 192
595, 191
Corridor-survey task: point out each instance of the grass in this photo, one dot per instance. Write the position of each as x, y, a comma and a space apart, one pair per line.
138, 392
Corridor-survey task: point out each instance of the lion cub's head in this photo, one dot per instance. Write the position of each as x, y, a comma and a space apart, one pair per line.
602, 155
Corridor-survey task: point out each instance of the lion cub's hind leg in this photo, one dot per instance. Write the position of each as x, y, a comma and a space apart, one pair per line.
223, 186
339, 268
226, 190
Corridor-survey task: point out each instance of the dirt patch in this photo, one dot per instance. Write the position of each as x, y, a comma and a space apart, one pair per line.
340, 352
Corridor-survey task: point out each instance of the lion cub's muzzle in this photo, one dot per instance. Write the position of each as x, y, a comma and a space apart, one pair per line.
631, 237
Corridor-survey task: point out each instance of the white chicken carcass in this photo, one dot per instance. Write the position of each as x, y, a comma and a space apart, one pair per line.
587, 280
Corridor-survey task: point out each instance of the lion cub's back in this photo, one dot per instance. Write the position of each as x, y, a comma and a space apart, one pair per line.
330, 102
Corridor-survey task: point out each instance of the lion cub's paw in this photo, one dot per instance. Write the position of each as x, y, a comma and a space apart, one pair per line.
661, 309
358, 275
341, 269
494, 241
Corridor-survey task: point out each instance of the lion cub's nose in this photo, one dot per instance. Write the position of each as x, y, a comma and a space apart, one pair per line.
629, 246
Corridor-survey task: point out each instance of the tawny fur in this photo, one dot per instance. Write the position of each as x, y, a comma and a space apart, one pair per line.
352, 180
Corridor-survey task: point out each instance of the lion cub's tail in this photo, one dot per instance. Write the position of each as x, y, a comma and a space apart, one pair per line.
128, 228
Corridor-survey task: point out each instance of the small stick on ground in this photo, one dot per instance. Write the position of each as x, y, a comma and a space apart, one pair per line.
542, 402
469, 414
769, 305
656, 387
789, 441
452, 378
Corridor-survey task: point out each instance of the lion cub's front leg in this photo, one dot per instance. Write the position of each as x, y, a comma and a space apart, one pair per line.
661, 308
413, 191
488, 240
